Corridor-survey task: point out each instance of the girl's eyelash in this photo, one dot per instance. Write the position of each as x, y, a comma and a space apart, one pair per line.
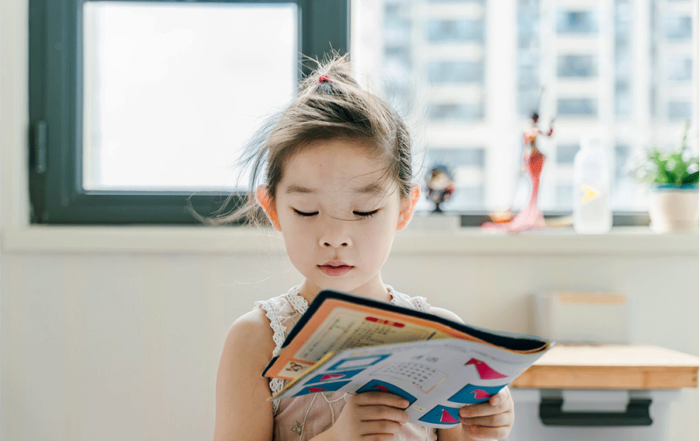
302, 214
365, 214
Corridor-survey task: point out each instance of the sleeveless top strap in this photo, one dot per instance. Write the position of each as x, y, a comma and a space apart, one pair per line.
275, 323
300, 305
419, 302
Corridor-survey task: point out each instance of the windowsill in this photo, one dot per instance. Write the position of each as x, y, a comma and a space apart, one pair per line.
632, 241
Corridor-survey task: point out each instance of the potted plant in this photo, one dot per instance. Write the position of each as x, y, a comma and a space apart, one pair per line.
673, 179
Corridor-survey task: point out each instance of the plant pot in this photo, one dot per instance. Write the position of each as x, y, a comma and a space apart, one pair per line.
673, 208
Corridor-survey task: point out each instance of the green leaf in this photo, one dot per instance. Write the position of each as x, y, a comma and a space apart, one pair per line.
691, 178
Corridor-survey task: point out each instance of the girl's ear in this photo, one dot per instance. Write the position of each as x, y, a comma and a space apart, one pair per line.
263, 197
407, 206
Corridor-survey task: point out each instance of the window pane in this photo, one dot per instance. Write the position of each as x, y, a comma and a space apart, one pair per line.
467, 167
566, 153
576, 22
679, 69
577, 106
456, 112
173, 91
679, 27
455, 71
576, 66
455, 30
680, 110
576, 61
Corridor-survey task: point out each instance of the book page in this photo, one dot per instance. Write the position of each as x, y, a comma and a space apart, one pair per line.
437, 377
346, 328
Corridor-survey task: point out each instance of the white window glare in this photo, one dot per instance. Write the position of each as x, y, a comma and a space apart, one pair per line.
172, 91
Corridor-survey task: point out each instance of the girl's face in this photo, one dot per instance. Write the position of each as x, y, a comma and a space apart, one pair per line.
338, 216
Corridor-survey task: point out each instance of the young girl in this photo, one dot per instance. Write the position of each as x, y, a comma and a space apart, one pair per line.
337, 186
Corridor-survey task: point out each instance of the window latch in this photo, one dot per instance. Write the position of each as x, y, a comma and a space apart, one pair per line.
40, 153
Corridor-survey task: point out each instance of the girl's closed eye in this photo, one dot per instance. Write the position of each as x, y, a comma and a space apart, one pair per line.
365, 214
304, 214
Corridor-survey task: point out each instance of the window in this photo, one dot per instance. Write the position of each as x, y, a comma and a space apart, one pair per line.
442, 72
139, 109
167, 98
462, 86
472, 74
576, 66
577, 22
447, 31
680, 110
566, 153
456, 112
679, 69
466, 164
576, 107
678, 27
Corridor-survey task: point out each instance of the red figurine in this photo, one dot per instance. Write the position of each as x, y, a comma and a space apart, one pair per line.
533, 161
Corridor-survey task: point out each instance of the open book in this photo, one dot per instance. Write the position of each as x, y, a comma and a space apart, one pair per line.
345, 343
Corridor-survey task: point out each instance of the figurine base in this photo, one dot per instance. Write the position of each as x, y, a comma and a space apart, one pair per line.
435, 222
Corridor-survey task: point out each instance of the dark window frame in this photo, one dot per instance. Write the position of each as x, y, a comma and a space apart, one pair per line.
55, 129
55, 117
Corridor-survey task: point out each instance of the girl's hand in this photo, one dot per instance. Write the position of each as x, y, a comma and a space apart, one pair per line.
370, 416
490, 420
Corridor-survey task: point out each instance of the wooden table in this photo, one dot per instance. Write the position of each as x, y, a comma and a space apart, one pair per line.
569, 366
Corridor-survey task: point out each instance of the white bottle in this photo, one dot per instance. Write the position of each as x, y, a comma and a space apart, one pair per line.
591, 189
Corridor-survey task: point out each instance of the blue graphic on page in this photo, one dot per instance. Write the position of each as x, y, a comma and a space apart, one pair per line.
381, 386
358, 362
474, 394
332, 376
441, 415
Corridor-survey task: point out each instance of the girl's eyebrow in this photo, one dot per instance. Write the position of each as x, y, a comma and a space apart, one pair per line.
373, 189
293, 188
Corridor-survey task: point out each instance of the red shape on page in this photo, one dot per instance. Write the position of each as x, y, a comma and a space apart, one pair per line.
317, 389
447, 418
332, 377
479, 394
485, 371
380, 388
384, 322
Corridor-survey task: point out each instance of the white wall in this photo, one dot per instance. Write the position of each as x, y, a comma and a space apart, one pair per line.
114, 346
112, 339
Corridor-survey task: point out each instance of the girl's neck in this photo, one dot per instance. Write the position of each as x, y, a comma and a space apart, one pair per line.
375, 290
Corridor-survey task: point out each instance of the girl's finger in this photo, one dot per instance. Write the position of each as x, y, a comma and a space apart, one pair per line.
486, 432
380, 427
483, 409
381, 399
376, 413
501, 397
501, 419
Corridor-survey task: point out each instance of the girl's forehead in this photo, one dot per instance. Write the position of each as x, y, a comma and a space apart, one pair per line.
345, 163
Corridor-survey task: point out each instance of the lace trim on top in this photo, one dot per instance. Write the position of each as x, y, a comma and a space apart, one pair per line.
418, 302
300, 306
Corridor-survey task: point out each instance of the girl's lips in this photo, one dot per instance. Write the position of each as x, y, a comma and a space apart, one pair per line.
331, 270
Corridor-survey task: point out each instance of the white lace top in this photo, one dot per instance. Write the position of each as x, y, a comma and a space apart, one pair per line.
302, 418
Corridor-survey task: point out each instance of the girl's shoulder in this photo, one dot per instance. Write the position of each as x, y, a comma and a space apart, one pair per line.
421, 303
251, 331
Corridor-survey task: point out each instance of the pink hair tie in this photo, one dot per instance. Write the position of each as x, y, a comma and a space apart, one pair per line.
324, 78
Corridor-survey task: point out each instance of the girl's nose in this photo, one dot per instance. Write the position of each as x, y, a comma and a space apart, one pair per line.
333, 245
334, 236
